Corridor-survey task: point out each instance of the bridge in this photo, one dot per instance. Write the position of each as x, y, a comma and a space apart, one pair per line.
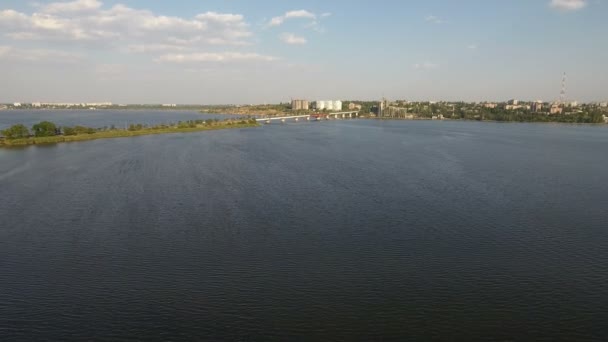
313, 116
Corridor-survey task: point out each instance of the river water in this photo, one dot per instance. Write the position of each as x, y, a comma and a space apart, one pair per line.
339, 230
102, 117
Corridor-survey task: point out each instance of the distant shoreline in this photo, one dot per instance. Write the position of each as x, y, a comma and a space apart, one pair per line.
196, 109
493, 121
119, 133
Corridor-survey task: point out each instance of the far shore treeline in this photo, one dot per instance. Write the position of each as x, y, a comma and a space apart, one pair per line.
48, 132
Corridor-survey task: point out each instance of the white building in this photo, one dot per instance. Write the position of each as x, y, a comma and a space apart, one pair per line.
320, 105
36, 104
17, 104
338, 105
329, 105
99, 104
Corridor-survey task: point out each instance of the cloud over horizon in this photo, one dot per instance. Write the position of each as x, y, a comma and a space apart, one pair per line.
433, 19
20, 55
224, 57
568, 5
279, 20
86, 23
292, 39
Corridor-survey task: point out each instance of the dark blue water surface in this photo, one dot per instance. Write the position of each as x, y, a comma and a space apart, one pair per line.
339, 230
102, 118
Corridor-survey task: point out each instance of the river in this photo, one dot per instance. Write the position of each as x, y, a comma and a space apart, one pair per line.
102, 117
336, 230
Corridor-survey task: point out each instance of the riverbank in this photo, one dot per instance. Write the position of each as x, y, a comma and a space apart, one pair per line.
122, 133
493, 121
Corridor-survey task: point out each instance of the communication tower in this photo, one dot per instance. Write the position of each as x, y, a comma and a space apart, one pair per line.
562, 94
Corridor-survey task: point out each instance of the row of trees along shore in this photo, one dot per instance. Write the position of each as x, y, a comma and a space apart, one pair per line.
49, 132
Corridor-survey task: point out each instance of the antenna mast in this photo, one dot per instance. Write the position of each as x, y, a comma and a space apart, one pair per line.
562, 94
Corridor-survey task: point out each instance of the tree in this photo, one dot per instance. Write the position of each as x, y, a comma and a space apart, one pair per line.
69, 131
16, 131
44, 129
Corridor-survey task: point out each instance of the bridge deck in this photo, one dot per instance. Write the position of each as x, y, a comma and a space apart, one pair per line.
303, 116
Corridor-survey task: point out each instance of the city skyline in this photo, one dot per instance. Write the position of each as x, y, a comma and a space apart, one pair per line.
271, 51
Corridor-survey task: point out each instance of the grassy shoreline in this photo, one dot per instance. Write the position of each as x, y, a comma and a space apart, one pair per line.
119, 133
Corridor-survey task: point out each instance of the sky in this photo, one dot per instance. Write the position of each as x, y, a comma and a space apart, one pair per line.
268, 51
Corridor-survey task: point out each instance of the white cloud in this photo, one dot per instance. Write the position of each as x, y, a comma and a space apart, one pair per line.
86, 21
472, 46
568, 5
433, 19
300, 14
207, 57
426, 66
151, 48
13, 54
326, 14
315, 26
72, 7
292, 39
276, 21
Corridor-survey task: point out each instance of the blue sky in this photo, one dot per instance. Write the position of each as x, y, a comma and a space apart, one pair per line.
243, 51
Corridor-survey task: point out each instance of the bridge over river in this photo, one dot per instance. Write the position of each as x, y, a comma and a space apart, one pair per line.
309, 117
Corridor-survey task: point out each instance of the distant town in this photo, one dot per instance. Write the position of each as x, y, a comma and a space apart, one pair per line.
511, 110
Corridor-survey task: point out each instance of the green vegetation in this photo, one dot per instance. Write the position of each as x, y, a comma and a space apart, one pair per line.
526, 116
44, 129
16, 132
267, 109
76, 130
47, 133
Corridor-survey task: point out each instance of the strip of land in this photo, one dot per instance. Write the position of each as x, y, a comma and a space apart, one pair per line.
133, 131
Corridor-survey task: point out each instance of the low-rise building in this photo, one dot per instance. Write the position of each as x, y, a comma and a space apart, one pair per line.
99, 104
354, 106
515, 107
537, 106
490, 105
17, 104
299, 105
